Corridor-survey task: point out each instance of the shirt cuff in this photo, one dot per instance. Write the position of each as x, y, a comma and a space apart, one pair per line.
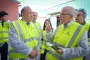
30, 50
64, 52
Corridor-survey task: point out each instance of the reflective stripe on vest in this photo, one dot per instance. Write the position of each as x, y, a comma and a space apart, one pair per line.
21, 35
55, 55
74, 36
3, 38
30, 39
3, 32
37, 47
22, 39
36, 28
20, 31
70, 43
27, 40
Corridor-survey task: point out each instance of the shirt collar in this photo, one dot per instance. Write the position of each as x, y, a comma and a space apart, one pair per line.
24, 21
8, 21
84, 22
65, 26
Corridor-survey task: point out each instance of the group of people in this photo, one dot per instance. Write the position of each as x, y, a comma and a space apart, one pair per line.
25, 40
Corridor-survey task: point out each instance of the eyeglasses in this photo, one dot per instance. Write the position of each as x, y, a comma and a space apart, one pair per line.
65, 14
34, 15
79, 15
30, 12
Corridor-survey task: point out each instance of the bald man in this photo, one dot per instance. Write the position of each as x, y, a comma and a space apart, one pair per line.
69, 41
23, 37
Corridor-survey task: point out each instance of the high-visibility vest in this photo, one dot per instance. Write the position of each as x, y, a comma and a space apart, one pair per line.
4, 32
42, 49
28, 34
38, 28
43, 45
87, 27
66, 38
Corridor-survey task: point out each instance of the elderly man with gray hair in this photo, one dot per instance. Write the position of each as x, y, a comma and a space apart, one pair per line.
69, 41
80, 18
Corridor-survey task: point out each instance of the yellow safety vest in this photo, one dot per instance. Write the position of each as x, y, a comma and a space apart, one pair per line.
4, 32
87, 27
26, 33
38, 27
43, 42
43, 45
66, 38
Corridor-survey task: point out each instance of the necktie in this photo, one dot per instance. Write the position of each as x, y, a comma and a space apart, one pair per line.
28, 23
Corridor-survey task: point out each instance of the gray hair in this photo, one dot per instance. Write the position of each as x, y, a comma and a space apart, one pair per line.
35, 13
71, 10
84, 12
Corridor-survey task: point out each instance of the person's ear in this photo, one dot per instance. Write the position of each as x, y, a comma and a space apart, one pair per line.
71, 16
22, 14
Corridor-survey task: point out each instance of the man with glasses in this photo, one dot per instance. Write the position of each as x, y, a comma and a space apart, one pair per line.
80, 18
69, 41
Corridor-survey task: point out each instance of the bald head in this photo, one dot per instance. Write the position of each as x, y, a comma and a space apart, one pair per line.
26, 13
24, 9
69, 10
67, 14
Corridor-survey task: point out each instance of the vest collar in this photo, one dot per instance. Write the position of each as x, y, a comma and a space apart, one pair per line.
25, 21
66, 25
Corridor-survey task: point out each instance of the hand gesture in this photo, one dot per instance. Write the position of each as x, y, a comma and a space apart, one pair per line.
48, 28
